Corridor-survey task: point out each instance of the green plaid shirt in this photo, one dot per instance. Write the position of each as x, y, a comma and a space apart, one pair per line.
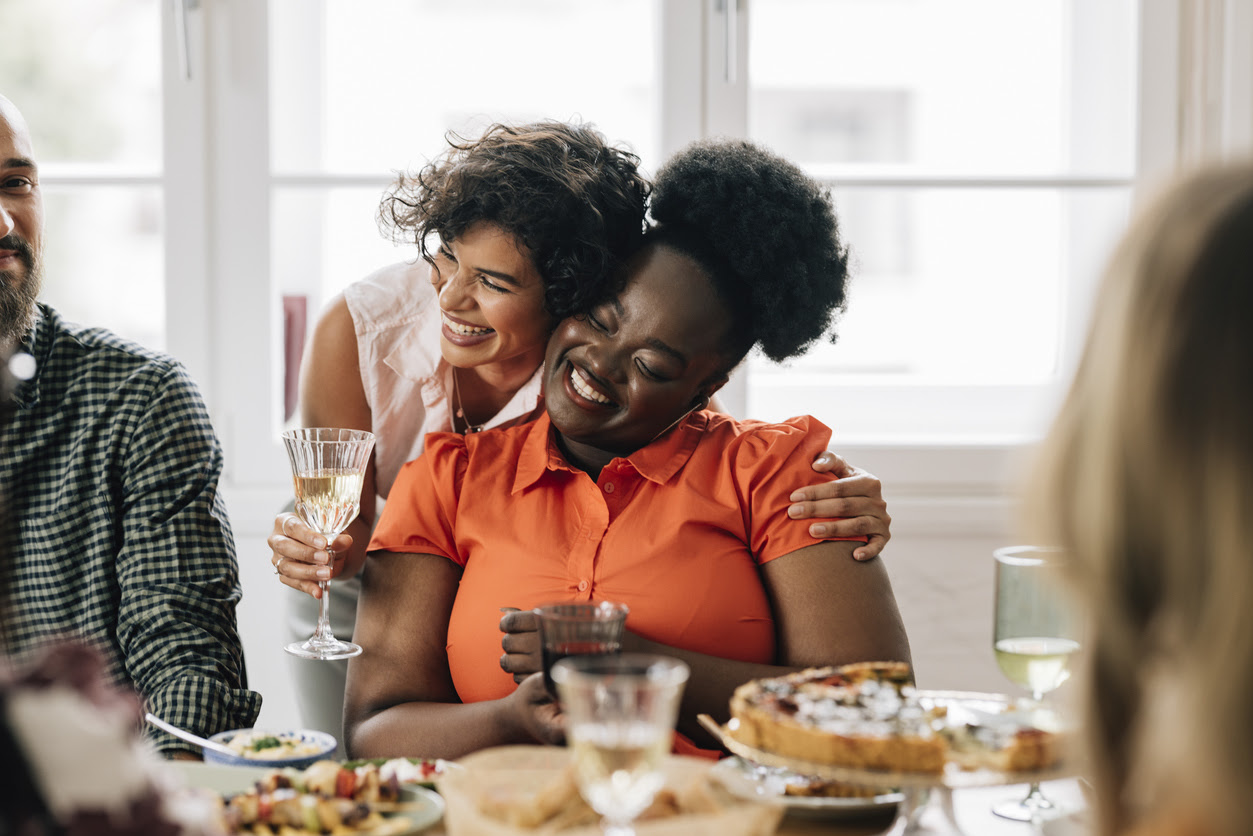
116, 530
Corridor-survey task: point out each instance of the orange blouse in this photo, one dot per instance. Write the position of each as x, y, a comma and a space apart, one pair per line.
675, 531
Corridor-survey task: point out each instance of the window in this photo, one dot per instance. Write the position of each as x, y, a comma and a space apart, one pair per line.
982, 157
95, 116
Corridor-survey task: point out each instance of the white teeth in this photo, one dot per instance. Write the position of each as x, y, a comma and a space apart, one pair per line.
584, 387
464, 330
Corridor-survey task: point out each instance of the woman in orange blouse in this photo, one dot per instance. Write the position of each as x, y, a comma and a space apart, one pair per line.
629, 490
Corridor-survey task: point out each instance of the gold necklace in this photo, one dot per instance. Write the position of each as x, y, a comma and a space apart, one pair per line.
460, 412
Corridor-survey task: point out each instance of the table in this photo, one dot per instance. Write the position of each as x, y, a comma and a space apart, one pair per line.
972, 806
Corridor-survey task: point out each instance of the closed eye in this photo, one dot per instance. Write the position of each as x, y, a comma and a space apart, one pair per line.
649, 373
490, 285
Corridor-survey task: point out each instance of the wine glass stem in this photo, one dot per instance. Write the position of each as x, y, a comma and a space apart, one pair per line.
323, 629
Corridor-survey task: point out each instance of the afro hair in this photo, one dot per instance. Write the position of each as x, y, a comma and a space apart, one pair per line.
767, 236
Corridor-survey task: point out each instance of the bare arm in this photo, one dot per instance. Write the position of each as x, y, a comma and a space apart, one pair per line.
400, 699
828, 610
331, 395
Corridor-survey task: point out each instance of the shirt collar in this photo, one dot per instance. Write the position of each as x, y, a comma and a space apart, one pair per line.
657, 462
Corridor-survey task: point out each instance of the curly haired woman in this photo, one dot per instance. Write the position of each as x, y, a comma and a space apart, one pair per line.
628, 489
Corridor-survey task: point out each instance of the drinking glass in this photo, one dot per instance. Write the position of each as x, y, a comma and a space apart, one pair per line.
1035, 638
579, 629
328, 468
620, 713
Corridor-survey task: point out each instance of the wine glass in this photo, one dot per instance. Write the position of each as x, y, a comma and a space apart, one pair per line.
1035, 638
621, 712
328, 468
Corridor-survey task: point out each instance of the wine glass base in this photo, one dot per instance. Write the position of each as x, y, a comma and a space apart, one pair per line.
1028, 810
325, 650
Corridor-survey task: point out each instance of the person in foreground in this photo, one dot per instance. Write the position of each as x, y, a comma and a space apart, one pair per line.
116, 533
629, 490
521, 227
1144, 480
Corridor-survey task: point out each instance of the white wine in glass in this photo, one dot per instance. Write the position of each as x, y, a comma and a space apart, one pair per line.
1035, 639
328, 468
620, 713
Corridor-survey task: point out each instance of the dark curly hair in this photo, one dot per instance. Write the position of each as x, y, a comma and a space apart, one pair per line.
767, 236
574, 201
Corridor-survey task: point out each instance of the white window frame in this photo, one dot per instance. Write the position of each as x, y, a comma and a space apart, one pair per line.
224, 311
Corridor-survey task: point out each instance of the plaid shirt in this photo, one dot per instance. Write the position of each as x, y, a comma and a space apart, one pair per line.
116, 530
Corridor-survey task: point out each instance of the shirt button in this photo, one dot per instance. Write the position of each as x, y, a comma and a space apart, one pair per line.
609, 487
582, 586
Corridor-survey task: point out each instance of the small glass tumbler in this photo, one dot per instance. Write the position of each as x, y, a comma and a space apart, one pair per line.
579, 629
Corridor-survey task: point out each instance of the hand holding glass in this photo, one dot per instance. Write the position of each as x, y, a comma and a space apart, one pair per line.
328, 468
579, 629
1035, 637
620, 714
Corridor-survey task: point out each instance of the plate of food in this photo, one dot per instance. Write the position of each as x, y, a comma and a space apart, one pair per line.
422, 772
804, 796
323, 798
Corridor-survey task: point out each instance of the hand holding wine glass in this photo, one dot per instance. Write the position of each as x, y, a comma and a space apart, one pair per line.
328, 468
1035, 639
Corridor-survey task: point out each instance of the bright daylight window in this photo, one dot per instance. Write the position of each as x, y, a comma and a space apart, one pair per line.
981, 155
95, 118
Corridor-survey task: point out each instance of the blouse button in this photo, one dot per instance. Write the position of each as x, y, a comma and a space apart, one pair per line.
609, 487
582, 586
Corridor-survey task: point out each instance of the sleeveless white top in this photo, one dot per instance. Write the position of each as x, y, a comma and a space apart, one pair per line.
395, 313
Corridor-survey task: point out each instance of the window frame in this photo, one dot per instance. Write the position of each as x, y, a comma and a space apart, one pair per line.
219, 185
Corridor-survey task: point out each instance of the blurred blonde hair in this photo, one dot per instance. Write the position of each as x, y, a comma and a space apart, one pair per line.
1146, 479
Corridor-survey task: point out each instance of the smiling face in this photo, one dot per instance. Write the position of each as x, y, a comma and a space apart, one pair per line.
634, 366
491, 300
21, 224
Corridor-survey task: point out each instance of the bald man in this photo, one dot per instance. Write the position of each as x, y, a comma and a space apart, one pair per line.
114, 529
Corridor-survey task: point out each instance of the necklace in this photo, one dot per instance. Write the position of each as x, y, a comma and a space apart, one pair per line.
460, 412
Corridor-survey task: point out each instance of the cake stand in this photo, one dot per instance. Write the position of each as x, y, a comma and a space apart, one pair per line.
926, 806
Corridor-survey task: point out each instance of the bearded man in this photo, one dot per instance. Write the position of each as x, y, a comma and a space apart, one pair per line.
116, 532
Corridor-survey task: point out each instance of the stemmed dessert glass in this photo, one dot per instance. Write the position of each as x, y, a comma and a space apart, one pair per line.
621, 712
1035, 638
328, 467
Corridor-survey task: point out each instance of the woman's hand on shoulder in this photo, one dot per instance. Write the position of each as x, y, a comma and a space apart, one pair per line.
300, 556
854, 495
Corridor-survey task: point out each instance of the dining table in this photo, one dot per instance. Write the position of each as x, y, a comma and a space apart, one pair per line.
972, 809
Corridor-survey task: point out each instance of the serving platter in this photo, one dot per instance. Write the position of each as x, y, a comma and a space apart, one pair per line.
755, 782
